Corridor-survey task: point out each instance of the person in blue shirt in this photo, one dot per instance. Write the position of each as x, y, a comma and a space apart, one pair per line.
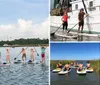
43, 53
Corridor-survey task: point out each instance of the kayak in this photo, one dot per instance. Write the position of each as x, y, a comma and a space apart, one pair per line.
56, 70
81, 72
89, 70
64, 72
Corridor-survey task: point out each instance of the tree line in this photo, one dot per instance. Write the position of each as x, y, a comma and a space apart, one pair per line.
25, 41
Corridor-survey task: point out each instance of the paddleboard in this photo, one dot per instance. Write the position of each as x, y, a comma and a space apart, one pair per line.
81, 72
64, 72
89, 70
56, 70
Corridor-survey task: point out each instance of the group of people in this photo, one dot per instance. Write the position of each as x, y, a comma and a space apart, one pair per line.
23, 52
67, 66
80, 19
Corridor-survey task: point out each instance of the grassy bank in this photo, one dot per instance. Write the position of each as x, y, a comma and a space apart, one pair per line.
53, 63
96, 65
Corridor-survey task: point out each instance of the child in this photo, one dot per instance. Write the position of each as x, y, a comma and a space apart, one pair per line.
7, 56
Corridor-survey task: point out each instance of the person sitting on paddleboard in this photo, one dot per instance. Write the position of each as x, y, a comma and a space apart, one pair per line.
23, 54
80, 66
66, 67
43, 53
32, 54
88, 65
7, 56
65, 20
81, 20
59, 65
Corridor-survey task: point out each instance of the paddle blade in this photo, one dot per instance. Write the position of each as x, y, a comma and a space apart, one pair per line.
14, 58
52, 34
68, 31
37, 54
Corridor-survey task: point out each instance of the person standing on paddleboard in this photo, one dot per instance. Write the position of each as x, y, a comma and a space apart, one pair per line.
81, 20
43, 53
32, 54
23, 54
7, 56
65, 21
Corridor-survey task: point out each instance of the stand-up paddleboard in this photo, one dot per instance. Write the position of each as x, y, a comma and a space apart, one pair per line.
89, 70
56, 70
5, 64
64, 72
17, 62
81, 72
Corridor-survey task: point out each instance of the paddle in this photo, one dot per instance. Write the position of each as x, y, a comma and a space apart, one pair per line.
36, 51
18, 54
72, 28
52, 34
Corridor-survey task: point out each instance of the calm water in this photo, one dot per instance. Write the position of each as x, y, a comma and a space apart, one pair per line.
79, 38
24, 74
74, 79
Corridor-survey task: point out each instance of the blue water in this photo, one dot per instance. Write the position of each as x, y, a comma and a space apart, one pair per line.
24, 74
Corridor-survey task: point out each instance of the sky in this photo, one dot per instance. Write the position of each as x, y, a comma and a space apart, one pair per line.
75, 51
24, 18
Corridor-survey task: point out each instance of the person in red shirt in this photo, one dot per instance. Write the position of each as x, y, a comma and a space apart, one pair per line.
65, 20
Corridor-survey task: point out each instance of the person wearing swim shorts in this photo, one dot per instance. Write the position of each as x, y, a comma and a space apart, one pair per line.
23, 54
43, 53
32, 54
81, 20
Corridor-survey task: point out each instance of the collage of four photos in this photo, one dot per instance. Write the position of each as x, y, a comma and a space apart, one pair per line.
49, 42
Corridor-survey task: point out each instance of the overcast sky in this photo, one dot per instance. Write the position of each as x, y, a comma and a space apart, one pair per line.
24, 19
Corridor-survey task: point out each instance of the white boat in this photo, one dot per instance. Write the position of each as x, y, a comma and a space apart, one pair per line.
92, 22
64, 72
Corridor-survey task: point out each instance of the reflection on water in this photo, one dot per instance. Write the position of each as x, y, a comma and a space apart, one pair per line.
24, 74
